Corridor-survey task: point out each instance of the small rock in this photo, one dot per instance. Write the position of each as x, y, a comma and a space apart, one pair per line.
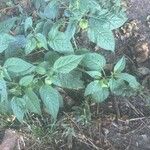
141, 51
12, 141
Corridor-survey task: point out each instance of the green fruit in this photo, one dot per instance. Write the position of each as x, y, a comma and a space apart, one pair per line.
83, 24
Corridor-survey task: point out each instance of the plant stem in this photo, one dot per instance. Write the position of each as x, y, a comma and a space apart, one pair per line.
116, 107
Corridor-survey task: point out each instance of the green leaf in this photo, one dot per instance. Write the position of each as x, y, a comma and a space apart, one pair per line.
71, 29
59, 41
5, 40
18, 107
120, 66
38, 3
28, 23
5, 107
97, 91
94, 74
15, 48
6, 74
94, 6
30, 45
3, 91
133, 83
93, 61
39, 27
17, 65
42, 42
101, 95
82, 6
50, 98
51, 10
65, 64
115, 21
27, 80
101, 36
92, 87
69, 81
51, 57
5, 26
78, 9
47, 27
32, 102
117, 87
42, 68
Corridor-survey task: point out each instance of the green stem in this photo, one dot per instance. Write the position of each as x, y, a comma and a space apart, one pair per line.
116, 107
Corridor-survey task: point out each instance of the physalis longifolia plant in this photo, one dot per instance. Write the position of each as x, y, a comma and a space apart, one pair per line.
40, 55
118, 83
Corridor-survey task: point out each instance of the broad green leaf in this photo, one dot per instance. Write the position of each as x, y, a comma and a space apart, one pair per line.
17, 65
65, 64
5, 107
28, 23
5, 26
120, 66
94, 6
59, 41
71, 29
94, 74
101, 95
18, 107
5, 40
82, 6
93, 61
51, 57
42, 68
47, 27
78, 8
70, 81
15, 47
3, 91
130, 79
76, 15
92, 87
117, 87
51, 10
97, 92
102, 16
101, 36
27, 80
115, 21
32, 102
82, 51
30, 45
6, 74
39, 27
29, 71
50, 98
38, 3
42, 42
19, 42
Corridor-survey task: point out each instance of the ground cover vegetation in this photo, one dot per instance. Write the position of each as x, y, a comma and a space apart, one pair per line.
42, 58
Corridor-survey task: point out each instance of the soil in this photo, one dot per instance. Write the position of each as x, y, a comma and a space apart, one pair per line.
132, 130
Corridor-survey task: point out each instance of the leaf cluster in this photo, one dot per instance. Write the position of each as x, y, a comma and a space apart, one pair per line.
42, 56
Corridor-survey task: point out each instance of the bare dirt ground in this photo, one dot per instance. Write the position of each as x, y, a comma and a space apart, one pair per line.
134, 133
